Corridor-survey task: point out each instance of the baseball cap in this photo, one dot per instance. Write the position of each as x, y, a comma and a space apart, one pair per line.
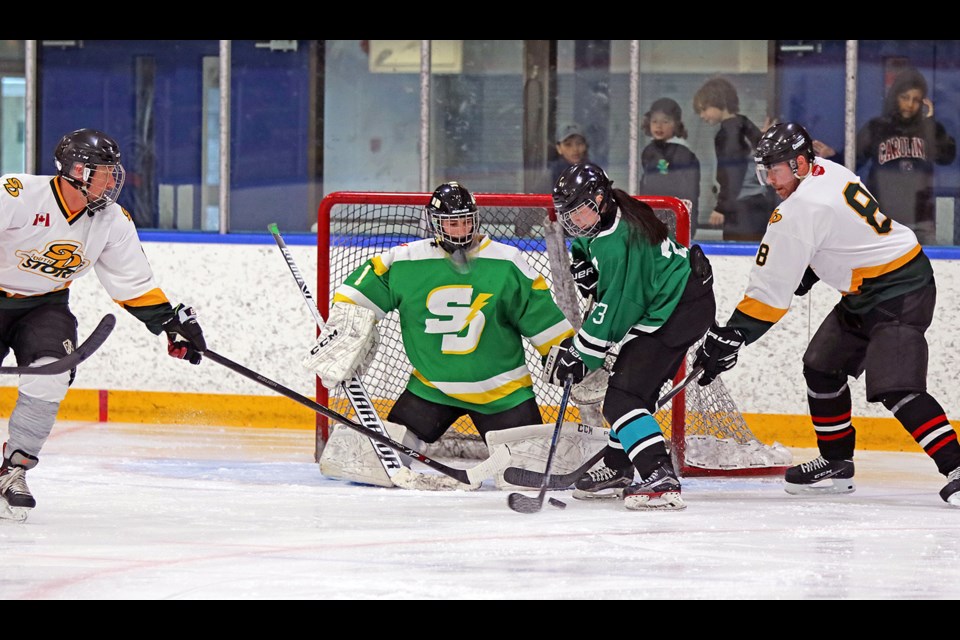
568, 129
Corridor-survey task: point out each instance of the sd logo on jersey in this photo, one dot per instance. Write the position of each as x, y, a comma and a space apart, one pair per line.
59, 261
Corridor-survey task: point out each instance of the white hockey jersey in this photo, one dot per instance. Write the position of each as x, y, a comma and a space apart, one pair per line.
832, 224
45, 246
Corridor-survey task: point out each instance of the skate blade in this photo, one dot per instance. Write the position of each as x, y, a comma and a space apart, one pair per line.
954, 499
606, 494
830, 486
668, 501
16, 514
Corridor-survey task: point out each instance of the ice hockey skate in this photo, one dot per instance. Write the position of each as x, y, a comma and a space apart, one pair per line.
16, 501
951, 492
603, 483
821, 476
658, 491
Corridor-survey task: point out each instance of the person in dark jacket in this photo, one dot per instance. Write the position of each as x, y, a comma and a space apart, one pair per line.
901, 147
670, 168
743, 205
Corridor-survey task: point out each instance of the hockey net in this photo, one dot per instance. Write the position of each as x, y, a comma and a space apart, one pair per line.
706, 431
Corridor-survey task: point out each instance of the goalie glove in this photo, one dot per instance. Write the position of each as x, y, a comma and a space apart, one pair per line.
347, 344
564, 360
184, 336
718, 353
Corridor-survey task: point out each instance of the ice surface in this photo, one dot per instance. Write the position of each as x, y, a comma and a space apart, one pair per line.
138, 511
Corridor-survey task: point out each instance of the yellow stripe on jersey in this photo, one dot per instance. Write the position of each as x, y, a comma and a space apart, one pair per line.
154, 296
339, 297
378, 267
865, 273
540, 283
760, 310
482, 397
69, 216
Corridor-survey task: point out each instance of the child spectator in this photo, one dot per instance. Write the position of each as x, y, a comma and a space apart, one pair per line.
743, 205
670, 168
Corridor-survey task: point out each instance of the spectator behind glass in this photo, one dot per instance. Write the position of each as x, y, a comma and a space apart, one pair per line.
743, 204
572, 148
670, 168
902, 145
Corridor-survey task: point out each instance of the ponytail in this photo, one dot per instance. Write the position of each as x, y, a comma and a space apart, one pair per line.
644, 223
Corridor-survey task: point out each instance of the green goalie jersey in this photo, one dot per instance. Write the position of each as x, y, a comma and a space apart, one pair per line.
638, 288
462, 328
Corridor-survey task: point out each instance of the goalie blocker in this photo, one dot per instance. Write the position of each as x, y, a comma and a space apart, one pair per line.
350, 456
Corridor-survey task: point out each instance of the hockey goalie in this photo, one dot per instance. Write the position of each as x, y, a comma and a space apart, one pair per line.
465, 303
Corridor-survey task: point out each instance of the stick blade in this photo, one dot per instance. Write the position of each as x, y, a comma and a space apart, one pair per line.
524, 504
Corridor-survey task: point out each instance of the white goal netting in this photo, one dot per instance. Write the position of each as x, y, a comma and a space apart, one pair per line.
707, 432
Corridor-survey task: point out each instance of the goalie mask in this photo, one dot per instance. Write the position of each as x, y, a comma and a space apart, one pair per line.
583, 195
782, 142
90, 161
454, 218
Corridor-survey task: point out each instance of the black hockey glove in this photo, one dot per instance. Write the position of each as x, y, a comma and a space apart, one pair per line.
806, 282
567, 363
584, 274
184, 335
718, 353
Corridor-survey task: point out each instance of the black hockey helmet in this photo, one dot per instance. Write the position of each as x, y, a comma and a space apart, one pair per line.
782, 142
79, 154
582, 184
452, 201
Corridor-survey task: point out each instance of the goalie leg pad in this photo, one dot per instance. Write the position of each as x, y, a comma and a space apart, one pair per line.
347, 343
349, 455
529, 447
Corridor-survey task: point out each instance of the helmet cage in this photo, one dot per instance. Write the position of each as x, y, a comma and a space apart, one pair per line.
572, 228
447, 240
89, 160
89, 179
582, 185
451, 202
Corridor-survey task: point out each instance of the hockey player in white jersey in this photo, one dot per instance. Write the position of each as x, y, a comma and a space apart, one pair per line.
53, 230
829, 227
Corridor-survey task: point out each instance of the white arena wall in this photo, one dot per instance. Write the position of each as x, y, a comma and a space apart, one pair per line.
252, 312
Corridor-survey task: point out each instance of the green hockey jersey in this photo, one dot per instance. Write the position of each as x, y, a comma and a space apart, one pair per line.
462, 328
639, 285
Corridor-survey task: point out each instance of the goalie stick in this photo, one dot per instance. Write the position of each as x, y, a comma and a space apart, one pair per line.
96, 338
527, 478
472, 476
354, 389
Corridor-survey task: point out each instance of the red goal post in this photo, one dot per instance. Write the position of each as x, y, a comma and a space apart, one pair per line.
702, 424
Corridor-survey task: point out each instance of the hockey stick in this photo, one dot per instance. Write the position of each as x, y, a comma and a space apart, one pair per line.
354, 389
527, 478
75, 357
472, 476
525, 504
